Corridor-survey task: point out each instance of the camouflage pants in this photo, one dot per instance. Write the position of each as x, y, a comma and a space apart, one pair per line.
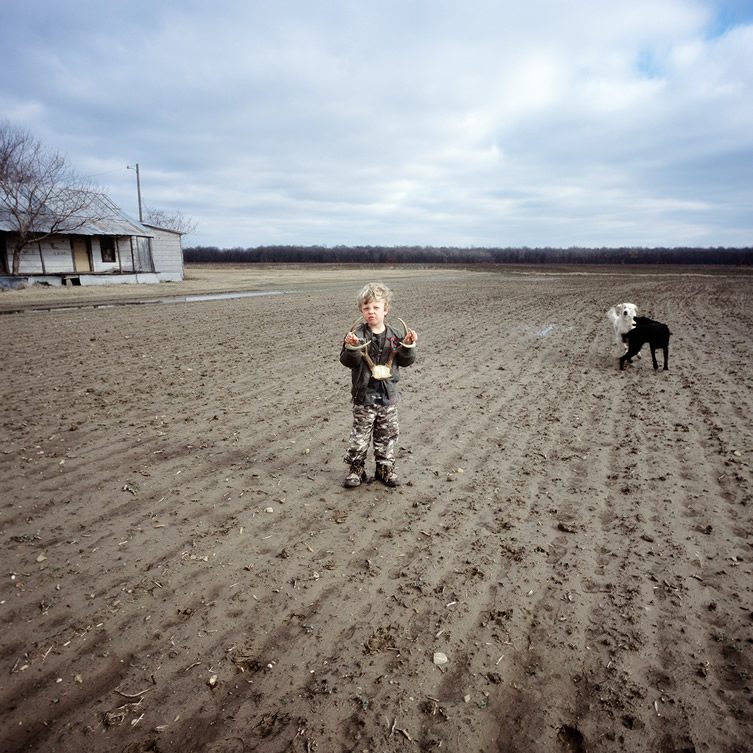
377, 422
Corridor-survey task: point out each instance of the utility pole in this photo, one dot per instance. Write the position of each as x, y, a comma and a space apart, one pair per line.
138, 188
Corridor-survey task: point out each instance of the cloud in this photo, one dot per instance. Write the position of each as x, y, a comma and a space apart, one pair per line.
442, 122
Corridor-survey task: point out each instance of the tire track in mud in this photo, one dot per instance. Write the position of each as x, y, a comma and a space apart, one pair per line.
710, 497
618, 544
658, 422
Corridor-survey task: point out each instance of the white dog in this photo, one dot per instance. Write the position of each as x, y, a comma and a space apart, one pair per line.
621, 316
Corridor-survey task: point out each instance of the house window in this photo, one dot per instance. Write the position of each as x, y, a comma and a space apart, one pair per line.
107, 249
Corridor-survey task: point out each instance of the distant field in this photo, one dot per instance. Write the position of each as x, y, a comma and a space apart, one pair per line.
215, 279
203, 279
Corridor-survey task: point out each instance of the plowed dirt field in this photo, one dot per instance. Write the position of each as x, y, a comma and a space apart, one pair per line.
183, 571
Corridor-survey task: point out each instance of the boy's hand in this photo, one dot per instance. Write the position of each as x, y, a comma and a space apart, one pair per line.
411, 338
351, 339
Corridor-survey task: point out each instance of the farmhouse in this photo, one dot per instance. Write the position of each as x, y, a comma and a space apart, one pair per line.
109, 247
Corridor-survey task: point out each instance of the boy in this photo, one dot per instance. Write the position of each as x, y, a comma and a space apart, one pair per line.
374, 351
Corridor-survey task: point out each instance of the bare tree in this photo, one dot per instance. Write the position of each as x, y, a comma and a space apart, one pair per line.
176, 220
40, 195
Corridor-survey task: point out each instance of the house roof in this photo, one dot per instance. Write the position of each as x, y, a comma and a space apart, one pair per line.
163, 229
105, 219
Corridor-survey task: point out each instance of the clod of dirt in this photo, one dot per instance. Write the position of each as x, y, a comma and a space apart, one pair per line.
570, 738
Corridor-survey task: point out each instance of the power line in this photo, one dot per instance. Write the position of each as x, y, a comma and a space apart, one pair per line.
107, 172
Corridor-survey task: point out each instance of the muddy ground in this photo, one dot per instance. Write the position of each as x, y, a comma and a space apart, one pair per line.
182, 570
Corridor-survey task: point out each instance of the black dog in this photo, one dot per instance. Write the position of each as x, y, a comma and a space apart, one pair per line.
645, 331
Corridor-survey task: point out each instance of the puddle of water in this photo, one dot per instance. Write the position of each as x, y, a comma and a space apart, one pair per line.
549, 329
189, 298
172, 299
226, 296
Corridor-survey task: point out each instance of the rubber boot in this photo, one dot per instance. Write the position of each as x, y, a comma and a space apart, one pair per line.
385, 472
356, 476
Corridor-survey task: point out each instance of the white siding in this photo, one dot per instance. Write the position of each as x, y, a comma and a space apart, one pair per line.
58, 256
167, 252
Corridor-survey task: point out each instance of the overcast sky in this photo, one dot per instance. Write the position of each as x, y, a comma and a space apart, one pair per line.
401, 122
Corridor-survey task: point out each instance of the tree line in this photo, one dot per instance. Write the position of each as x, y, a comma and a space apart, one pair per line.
454, 255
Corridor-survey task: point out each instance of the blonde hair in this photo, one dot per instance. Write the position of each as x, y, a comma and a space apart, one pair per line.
375, 291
